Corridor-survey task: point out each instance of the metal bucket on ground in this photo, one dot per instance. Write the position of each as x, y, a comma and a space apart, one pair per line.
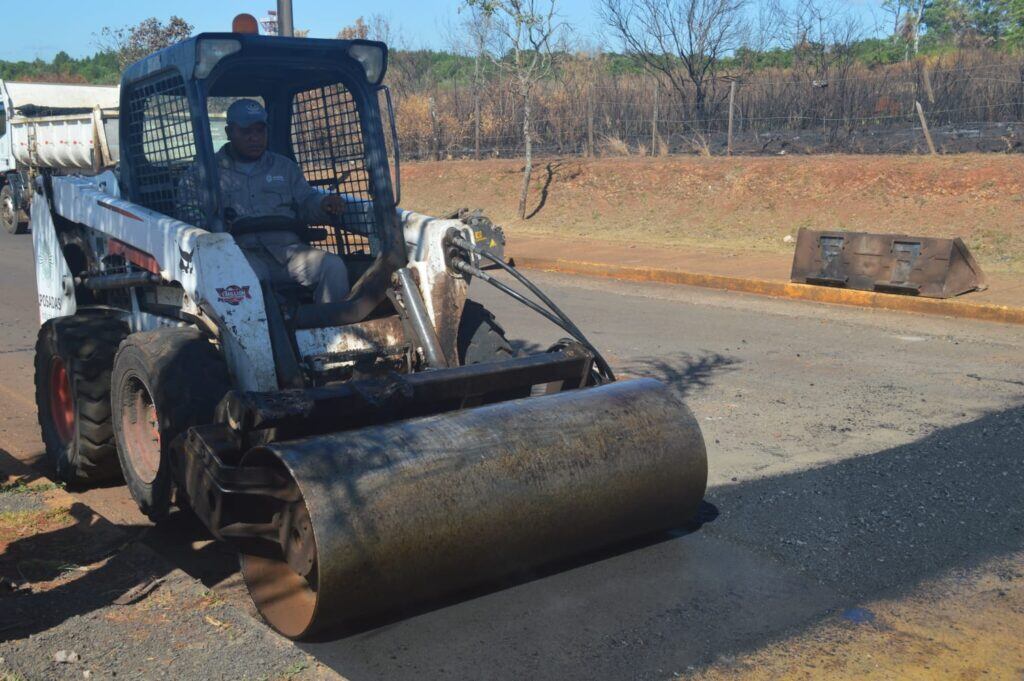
886, 263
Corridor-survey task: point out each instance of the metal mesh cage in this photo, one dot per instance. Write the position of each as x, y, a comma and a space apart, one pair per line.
162, 149
327, 141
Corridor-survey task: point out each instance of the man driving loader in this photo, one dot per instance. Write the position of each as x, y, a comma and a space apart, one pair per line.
256, 182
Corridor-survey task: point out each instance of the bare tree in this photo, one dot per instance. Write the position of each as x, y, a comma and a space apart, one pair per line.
473, 37
822, 35
378, 28
523, 37
682, 42
132, 43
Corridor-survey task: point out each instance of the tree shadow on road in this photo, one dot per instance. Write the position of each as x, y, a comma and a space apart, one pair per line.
685, 373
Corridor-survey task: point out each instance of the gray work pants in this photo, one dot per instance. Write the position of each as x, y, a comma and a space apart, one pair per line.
282, 258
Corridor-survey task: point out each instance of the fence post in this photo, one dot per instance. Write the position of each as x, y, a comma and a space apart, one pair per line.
928, 85
590, 120
732, 108
924, 126
654, 122
435, 129
476, 122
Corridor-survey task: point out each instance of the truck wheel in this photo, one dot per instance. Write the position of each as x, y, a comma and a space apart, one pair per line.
163, 383
74, 356
481, 339
10, 216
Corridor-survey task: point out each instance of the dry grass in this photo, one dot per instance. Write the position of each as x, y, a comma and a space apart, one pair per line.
613, 146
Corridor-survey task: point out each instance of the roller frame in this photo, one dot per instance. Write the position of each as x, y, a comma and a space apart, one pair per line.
208, 467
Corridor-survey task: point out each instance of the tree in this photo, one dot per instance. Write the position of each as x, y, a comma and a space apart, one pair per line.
523, 36
972, 22
682, 42
477, 26
132, 43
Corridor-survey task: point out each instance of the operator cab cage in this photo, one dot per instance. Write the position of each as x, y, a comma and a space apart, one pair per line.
321, 98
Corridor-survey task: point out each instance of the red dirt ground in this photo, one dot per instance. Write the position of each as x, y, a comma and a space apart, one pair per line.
743, 204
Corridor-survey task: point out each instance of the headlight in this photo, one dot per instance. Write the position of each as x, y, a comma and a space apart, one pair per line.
210, 52
371, 56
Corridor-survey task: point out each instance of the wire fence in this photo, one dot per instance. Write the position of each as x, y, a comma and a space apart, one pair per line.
972, 102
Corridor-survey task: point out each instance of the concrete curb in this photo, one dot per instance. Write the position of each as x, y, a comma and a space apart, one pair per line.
782, 289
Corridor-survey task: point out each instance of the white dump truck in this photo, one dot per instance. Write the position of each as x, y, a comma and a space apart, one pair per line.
51, 128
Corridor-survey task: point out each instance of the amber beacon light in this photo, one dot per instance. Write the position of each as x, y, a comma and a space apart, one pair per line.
245, 23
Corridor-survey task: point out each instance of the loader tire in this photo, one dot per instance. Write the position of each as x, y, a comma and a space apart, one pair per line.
163, 383
481, 339
74, 358
12, 218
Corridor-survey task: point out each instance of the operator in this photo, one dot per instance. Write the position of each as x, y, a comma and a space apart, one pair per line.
255, 182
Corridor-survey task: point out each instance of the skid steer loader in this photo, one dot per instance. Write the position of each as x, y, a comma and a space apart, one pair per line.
360, 455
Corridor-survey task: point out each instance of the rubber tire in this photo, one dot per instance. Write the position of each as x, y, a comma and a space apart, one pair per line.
186, 377
86, 343
17, 225
481, 339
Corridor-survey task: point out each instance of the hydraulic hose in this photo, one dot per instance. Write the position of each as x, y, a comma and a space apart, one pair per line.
555, 316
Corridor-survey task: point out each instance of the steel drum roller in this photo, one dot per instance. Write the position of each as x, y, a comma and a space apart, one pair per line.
398, 513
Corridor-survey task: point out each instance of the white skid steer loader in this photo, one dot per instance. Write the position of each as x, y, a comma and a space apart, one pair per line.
360, 455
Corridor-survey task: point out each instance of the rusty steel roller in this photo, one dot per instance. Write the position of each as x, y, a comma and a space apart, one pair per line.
398, 513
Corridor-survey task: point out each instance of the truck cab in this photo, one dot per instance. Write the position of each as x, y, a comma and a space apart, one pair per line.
6, 153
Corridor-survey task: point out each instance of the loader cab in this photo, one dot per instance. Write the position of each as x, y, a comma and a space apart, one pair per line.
321, 98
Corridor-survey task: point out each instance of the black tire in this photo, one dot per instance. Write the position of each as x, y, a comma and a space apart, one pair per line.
74, 410
163, 383
481, 339
12, 218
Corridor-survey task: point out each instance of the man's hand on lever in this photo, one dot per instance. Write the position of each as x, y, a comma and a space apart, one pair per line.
333, 205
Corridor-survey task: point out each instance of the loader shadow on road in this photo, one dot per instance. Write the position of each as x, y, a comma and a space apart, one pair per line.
785, 552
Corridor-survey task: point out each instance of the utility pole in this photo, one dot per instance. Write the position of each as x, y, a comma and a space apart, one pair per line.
285, 25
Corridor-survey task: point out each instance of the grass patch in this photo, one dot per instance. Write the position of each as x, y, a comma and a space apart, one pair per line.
22, 487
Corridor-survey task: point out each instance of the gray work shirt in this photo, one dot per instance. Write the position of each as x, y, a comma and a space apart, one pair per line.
271, 185
274, 185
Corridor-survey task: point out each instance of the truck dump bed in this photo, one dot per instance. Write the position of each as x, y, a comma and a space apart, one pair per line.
63, 127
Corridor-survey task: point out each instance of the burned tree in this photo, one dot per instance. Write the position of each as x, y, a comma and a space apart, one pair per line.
524, 32
682, 42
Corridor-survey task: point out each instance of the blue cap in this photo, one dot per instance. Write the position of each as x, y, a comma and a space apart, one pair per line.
246, 112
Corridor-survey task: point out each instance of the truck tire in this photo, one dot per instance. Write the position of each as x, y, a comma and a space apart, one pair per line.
163, 383
481, 339
74, 357
12, 218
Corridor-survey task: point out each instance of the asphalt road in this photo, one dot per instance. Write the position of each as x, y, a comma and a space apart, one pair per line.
853, 455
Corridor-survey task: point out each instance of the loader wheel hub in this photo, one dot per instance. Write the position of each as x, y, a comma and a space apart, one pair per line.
62, 403
141, 427
297, 540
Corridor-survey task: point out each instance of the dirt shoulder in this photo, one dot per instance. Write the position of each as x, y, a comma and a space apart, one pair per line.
81, 597
743, 206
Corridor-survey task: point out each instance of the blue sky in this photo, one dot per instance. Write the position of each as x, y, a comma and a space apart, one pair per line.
44, 27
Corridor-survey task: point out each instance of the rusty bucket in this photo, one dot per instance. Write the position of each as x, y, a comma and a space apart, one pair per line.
886, 263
